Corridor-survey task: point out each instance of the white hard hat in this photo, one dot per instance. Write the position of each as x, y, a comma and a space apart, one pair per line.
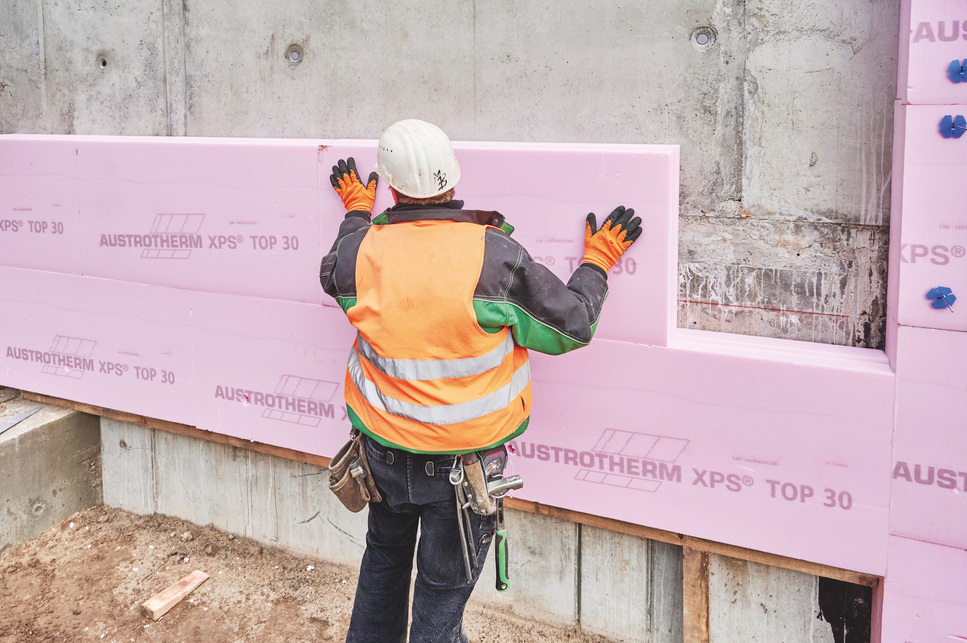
416, 159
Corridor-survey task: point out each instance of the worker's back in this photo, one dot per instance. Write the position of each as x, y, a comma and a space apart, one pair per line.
415, 283
430, 378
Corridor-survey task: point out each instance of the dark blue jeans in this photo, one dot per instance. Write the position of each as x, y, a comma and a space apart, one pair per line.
416, 492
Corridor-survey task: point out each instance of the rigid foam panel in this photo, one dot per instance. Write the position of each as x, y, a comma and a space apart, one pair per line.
273, 371
782, 453
114, 344
547, 190
930, 447
923, 596
254, 217
39, 210
768, 444
234, 216
240, 216
930, 242
933, 33
792, 438
896, 224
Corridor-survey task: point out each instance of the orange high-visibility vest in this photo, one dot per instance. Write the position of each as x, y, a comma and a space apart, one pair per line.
423, 375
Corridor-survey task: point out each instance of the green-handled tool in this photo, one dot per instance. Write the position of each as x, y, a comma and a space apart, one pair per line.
500, 549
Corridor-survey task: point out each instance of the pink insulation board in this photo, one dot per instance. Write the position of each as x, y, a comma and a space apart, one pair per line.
263, 370
896, 224
39, 209
930, 467
783, 452
790, 436
232, 216
929, 231
547, 193
272, 371
924, 599
115, 344
769, 444
254, 216
933, 33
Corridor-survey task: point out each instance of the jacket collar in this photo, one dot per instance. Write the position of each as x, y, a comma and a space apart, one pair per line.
450, 211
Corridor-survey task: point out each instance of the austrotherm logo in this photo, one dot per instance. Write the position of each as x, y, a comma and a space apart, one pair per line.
299, 400
309, 396
172, 236
627, 450
67, 357
639, 461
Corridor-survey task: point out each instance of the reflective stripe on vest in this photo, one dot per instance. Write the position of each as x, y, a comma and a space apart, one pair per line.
434, 369
446, 413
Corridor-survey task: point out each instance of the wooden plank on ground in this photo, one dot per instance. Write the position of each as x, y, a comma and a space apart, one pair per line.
159, 604
695, 598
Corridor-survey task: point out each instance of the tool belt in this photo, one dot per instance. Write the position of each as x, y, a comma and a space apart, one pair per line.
349, 475
479, 485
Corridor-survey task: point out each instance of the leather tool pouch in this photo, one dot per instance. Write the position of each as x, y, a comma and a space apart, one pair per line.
349, 475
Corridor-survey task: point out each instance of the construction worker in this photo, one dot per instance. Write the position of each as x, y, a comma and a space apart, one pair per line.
445, 305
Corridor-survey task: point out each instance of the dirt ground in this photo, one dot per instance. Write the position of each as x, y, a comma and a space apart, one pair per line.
85, 579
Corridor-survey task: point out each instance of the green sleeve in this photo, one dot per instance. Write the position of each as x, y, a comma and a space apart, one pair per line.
544, 313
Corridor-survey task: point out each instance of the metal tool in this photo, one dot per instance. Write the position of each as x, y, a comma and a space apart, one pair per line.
457, 479
493, 465
6, 424
500, 549
479, 485
499, 487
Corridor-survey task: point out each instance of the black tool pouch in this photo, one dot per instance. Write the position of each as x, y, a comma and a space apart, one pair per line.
349, 475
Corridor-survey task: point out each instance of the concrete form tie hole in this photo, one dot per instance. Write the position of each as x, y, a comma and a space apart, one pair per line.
294, 54
102, 61
704, 37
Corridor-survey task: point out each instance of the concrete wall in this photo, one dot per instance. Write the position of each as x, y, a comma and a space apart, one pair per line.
49, 469
784, 114
756, 603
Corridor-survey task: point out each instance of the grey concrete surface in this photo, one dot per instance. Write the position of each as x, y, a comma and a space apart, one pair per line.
811, 232
49, 469
782, 108
243, 492
363, 63
631, 588
756, 603
543, 563
624, 587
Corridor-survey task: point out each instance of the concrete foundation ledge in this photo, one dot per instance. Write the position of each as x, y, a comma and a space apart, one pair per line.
50, 466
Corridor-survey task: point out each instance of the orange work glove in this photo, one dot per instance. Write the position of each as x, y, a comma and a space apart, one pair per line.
603, 247
345, 180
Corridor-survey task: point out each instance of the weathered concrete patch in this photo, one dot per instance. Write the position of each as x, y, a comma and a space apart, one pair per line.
753, 602
49, 469
820, 282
